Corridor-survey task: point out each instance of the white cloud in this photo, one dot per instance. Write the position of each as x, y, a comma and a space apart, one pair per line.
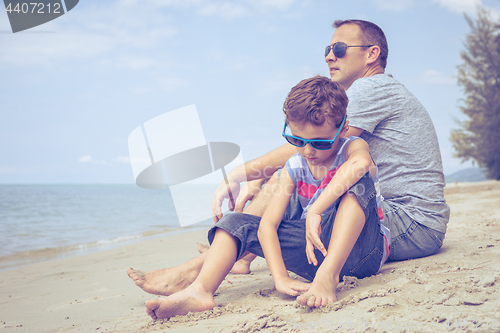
123, 159
93, 31
171, 83
6, 170
435, 77
460, 6
166, 3
84, 159
467, 6
89, 159
393, 5
135, 62
105, 29
215, 53
226, 10
273, 4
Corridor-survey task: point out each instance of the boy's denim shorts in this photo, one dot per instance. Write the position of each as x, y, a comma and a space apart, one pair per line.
364, 259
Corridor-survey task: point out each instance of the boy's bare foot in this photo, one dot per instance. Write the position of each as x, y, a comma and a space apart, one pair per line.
321, 293
163, 281
191, 299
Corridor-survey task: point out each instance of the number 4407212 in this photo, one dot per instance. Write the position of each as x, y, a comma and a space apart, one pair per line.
34, 8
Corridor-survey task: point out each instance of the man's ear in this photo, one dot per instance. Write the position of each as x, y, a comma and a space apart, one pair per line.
373, 54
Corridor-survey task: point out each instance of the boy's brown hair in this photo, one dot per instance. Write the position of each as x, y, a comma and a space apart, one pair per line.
313, 100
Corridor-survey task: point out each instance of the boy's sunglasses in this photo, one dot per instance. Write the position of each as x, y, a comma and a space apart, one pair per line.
316, 144
340, 48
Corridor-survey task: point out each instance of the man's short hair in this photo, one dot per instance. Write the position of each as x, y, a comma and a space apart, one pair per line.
313, 100
371, 35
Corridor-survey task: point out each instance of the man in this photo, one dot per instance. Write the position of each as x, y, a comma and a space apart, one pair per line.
402, 140
400, 135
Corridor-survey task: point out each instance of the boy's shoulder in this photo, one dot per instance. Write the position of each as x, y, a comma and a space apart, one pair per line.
295, 161
347, 141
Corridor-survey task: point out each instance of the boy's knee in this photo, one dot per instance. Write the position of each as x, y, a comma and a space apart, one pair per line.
350, 198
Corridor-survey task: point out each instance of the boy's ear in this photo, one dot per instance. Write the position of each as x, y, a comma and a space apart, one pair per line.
344, 129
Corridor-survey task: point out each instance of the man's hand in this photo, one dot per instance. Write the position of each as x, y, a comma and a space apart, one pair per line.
247, 193
313, 230
289, 286
229, 190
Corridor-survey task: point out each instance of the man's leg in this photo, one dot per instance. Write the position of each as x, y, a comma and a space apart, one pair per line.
409, 239
198, 296
168, 280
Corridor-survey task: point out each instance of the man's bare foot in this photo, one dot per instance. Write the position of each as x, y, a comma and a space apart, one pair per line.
202, 247
321, 293
242, 266
191, 299
163, 281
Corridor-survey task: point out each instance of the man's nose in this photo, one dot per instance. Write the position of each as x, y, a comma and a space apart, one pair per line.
330, 56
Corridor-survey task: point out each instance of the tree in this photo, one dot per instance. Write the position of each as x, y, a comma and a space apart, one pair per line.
479, 75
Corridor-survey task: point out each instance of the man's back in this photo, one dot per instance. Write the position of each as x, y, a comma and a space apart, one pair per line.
404, 144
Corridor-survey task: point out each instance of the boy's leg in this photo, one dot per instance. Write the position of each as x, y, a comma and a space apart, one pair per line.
199, 295
256, 207
353, 228
348, 224
167, 281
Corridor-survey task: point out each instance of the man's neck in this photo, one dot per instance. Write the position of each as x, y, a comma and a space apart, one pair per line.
370, 71
374, 70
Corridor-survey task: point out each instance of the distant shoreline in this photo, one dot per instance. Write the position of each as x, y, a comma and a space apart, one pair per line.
23, 258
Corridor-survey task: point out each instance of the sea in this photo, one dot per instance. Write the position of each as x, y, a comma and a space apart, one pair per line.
44, 222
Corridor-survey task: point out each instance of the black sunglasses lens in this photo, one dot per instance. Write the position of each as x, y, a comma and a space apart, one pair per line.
327, 51
339, 49
295, 142
321, 145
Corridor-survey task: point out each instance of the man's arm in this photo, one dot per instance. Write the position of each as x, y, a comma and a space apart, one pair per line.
259, 168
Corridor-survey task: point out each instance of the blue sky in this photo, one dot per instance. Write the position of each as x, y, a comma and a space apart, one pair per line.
72, 90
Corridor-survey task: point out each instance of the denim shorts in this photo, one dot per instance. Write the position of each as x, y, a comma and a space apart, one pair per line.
409, 239
364, 259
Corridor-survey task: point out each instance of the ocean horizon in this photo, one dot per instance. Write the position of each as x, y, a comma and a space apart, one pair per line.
41, 222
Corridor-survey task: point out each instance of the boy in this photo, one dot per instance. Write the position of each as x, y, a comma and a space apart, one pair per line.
320, 173
333, 176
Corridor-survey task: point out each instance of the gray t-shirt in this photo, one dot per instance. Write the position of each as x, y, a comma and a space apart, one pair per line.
403, 143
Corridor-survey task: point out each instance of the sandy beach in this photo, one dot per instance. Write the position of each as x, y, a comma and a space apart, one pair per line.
456, 289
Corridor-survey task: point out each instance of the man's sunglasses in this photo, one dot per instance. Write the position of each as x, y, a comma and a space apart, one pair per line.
340, 48
316, 144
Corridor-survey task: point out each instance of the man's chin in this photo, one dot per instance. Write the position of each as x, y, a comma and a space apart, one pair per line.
334, 77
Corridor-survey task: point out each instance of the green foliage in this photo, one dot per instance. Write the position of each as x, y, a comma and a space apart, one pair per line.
479, 75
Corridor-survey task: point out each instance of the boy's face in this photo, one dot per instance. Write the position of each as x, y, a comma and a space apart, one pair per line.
327, 131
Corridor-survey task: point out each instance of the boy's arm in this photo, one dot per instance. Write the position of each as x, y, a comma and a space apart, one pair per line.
268, 237
261, 168
358, 162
